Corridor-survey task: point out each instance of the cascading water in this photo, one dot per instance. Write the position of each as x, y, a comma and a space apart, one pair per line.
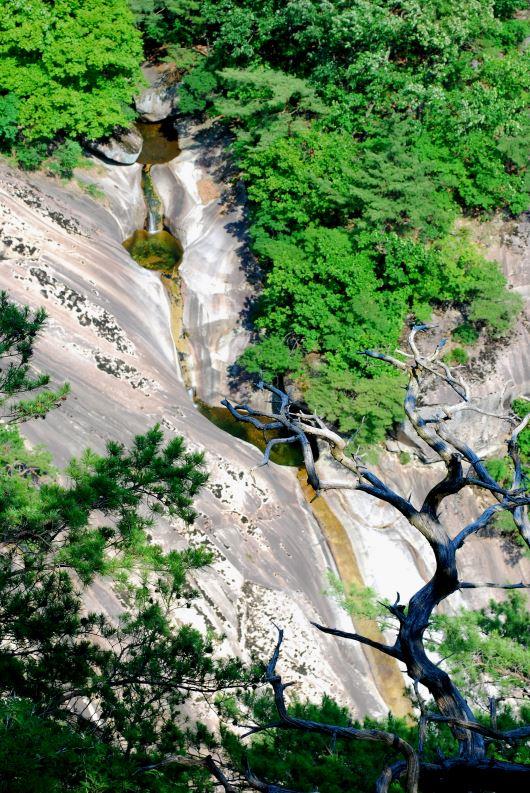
157, 249
154, 247
154, 221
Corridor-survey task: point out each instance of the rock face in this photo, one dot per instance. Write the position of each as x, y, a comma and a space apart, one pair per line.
160, 99
218, 274
108, 334
394, 557
123, 148
121, 191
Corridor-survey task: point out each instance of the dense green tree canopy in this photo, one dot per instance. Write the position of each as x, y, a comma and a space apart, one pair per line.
70, 66
166, 22
382, 122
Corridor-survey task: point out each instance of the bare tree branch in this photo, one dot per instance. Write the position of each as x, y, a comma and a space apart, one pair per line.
335, 730
219, 775
510, 736
265, 787
384, 648
433, 424
469, 585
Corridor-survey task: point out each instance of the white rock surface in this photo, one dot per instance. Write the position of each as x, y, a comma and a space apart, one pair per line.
123, 148
123, 195
218, 274
160, 98
108, 334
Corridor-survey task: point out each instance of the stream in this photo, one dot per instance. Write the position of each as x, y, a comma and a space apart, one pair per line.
155, 248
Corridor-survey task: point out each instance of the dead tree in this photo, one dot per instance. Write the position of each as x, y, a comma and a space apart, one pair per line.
471, 770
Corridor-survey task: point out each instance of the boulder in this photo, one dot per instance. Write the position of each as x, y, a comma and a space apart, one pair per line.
122, 147
159, 99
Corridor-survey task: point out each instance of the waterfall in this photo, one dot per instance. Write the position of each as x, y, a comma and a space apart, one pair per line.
151, 224
154, 221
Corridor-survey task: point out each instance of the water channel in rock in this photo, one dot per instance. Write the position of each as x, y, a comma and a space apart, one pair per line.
155, 248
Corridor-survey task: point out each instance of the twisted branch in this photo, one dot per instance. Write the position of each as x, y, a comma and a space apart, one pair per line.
433, 425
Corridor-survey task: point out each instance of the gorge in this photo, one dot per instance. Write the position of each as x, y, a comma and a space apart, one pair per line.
264, 396
112, 322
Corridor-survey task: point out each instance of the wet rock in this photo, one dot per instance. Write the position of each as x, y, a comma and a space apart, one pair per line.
122, 147
121, 192
218, 273
159, 100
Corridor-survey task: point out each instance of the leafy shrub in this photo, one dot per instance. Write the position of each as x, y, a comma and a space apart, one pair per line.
9, 107
92, 190
465, 333
30, 156
458, 355
500, 469
66, 156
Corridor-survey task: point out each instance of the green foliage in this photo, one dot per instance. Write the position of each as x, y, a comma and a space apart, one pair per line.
465, 333
166, 22
466, 84
368, 407
9, 107
43, 755
306, 762
92, 190
492, 305
72, 65
521, 408
265, 105
135, 669
362, 132
487, 647
331, 294
356, 600
30, 156
502, 470
138, 670
196, 87
481, 648
458, 356
66, 157
19, 330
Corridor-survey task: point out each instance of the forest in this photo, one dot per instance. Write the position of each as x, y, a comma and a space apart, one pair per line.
371, 139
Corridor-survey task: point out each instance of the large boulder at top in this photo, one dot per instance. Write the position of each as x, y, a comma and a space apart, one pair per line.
159, 99
122, 147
